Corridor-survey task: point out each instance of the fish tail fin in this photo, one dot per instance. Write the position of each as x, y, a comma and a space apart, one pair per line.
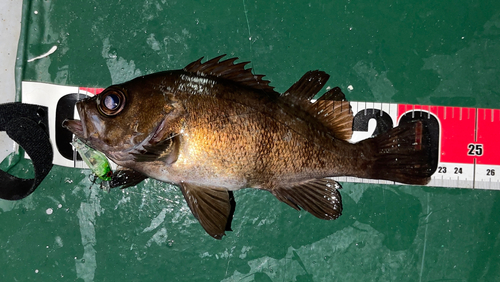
403, 154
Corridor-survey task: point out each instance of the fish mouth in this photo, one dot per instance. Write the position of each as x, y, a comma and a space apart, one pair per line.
76, 127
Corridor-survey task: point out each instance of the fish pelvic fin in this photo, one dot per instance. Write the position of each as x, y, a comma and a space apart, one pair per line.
403, 154
320, 197
227, 69
213, 207
332, 109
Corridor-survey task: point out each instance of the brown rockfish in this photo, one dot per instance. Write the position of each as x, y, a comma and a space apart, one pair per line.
214, 127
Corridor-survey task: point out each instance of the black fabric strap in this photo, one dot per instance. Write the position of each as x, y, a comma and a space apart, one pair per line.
27, 125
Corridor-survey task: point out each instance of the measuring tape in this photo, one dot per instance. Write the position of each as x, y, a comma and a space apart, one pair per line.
465, 138
467, 153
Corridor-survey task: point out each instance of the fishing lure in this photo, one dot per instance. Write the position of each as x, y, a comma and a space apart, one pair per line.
94, 159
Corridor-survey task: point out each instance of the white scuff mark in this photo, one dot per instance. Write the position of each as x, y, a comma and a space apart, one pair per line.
153, 43
49, 211
86, 266
156, 221
379, 84
59, 242
50, 52
422, 262
120, 69
262, 222
455, 78
321, 259
205, 255
6, 206
122, 201
244, 251
226, 254
350, 88
245, 10
159, 238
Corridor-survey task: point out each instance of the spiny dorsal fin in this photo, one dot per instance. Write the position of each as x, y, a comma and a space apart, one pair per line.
320, 197
227, 69
331, 109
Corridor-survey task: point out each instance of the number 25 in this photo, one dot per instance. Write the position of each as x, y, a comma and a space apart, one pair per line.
475, 149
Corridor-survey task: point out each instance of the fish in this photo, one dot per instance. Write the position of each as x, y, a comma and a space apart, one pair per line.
214, 127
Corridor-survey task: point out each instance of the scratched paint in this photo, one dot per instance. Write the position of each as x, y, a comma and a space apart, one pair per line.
416, 52
86, 264
457, 72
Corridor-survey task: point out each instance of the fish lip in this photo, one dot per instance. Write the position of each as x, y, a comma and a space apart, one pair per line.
76, 127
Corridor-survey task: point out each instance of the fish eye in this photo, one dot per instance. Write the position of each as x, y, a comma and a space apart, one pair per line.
111, 102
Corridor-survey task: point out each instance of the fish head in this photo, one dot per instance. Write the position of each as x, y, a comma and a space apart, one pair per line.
123, 118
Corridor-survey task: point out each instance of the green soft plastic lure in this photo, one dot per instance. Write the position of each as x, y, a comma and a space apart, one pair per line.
95, 160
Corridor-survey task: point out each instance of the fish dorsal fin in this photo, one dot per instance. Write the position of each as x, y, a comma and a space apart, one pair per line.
320, 197
213, 207
334, 111
227, 69
302, 91
331, 109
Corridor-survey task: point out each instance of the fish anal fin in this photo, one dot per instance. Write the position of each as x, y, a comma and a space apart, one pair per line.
320, 197
125, 177
227, 69
213, 207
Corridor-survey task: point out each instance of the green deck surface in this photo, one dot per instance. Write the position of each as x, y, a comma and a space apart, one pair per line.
421, 52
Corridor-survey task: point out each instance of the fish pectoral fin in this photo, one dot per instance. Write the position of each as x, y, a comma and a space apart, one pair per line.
213, 207
320, 197
166, 149
125, 177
